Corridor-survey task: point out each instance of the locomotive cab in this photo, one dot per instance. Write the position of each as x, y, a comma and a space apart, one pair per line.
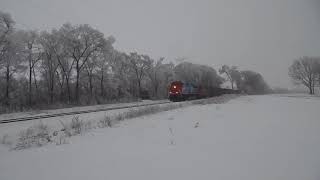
180, 91
175, 91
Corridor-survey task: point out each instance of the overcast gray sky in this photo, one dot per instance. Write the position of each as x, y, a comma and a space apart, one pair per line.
261, 35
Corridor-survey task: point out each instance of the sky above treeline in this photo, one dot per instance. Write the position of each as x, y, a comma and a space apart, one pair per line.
260, 35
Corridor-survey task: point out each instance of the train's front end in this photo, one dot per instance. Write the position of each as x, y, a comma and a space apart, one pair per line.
175, 91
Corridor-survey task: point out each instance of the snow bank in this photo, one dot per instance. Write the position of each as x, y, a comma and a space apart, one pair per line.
21, 135
249, 138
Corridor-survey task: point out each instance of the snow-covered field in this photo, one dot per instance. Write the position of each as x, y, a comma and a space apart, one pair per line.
250, 138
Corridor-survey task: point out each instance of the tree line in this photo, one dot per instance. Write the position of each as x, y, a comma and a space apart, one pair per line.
78, 65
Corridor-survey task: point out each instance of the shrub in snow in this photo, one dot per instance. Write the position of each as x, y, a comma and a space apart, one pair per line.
119, 117
5, 140
88, 125
66, 129
62, 139
141, 111
148, 110
105, 122
36, 135
77, 125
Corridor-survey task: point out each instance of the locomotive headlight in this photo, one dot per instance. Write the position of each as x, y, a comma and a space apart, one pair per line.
174, 87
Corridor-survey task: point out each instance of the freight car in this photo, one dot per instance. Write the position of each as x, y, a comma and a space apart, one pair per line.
180, 91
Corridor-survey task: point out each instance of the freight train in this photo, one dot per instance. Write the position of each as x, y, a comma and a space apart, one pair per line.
180, 91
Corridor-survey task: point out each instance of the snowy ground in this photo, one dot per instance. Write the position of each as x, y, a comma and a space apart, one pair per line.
12, 129
249, 138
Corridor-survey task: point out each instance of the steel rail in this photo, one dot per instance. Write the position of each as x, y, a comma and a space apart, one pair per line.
29, 118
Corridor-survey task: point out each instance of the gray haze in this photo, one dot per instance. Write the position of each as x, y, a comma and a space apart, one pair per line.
261, 35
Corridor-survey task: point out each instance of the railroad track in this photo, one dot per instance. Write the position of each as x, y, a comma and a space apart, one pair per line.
29, 118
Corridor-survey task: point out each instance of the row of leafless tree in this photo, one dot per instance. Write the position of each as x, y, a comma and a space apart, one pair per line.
248, 81
306, 71
76, 64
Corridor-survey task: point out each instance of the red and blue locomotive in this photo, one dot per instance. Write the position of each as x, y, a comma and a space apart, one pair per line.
183, 90
180, 91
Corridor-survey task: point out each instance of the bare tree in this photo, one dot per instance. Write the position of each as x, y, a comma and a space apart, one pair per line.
253, 83
66, 63
61, 82
160, 74
103, 67
12, 61
33, 56
97, 66
90, 68
209, 77
122, 72
304, 71
49, 62
232, 74
153, 74
139, 65
188, 72
167, 73
82, 41
6, 28
197, 74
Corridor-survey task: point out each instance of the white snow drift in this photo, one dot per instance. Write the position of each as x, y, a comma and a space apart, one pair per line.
249, 138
